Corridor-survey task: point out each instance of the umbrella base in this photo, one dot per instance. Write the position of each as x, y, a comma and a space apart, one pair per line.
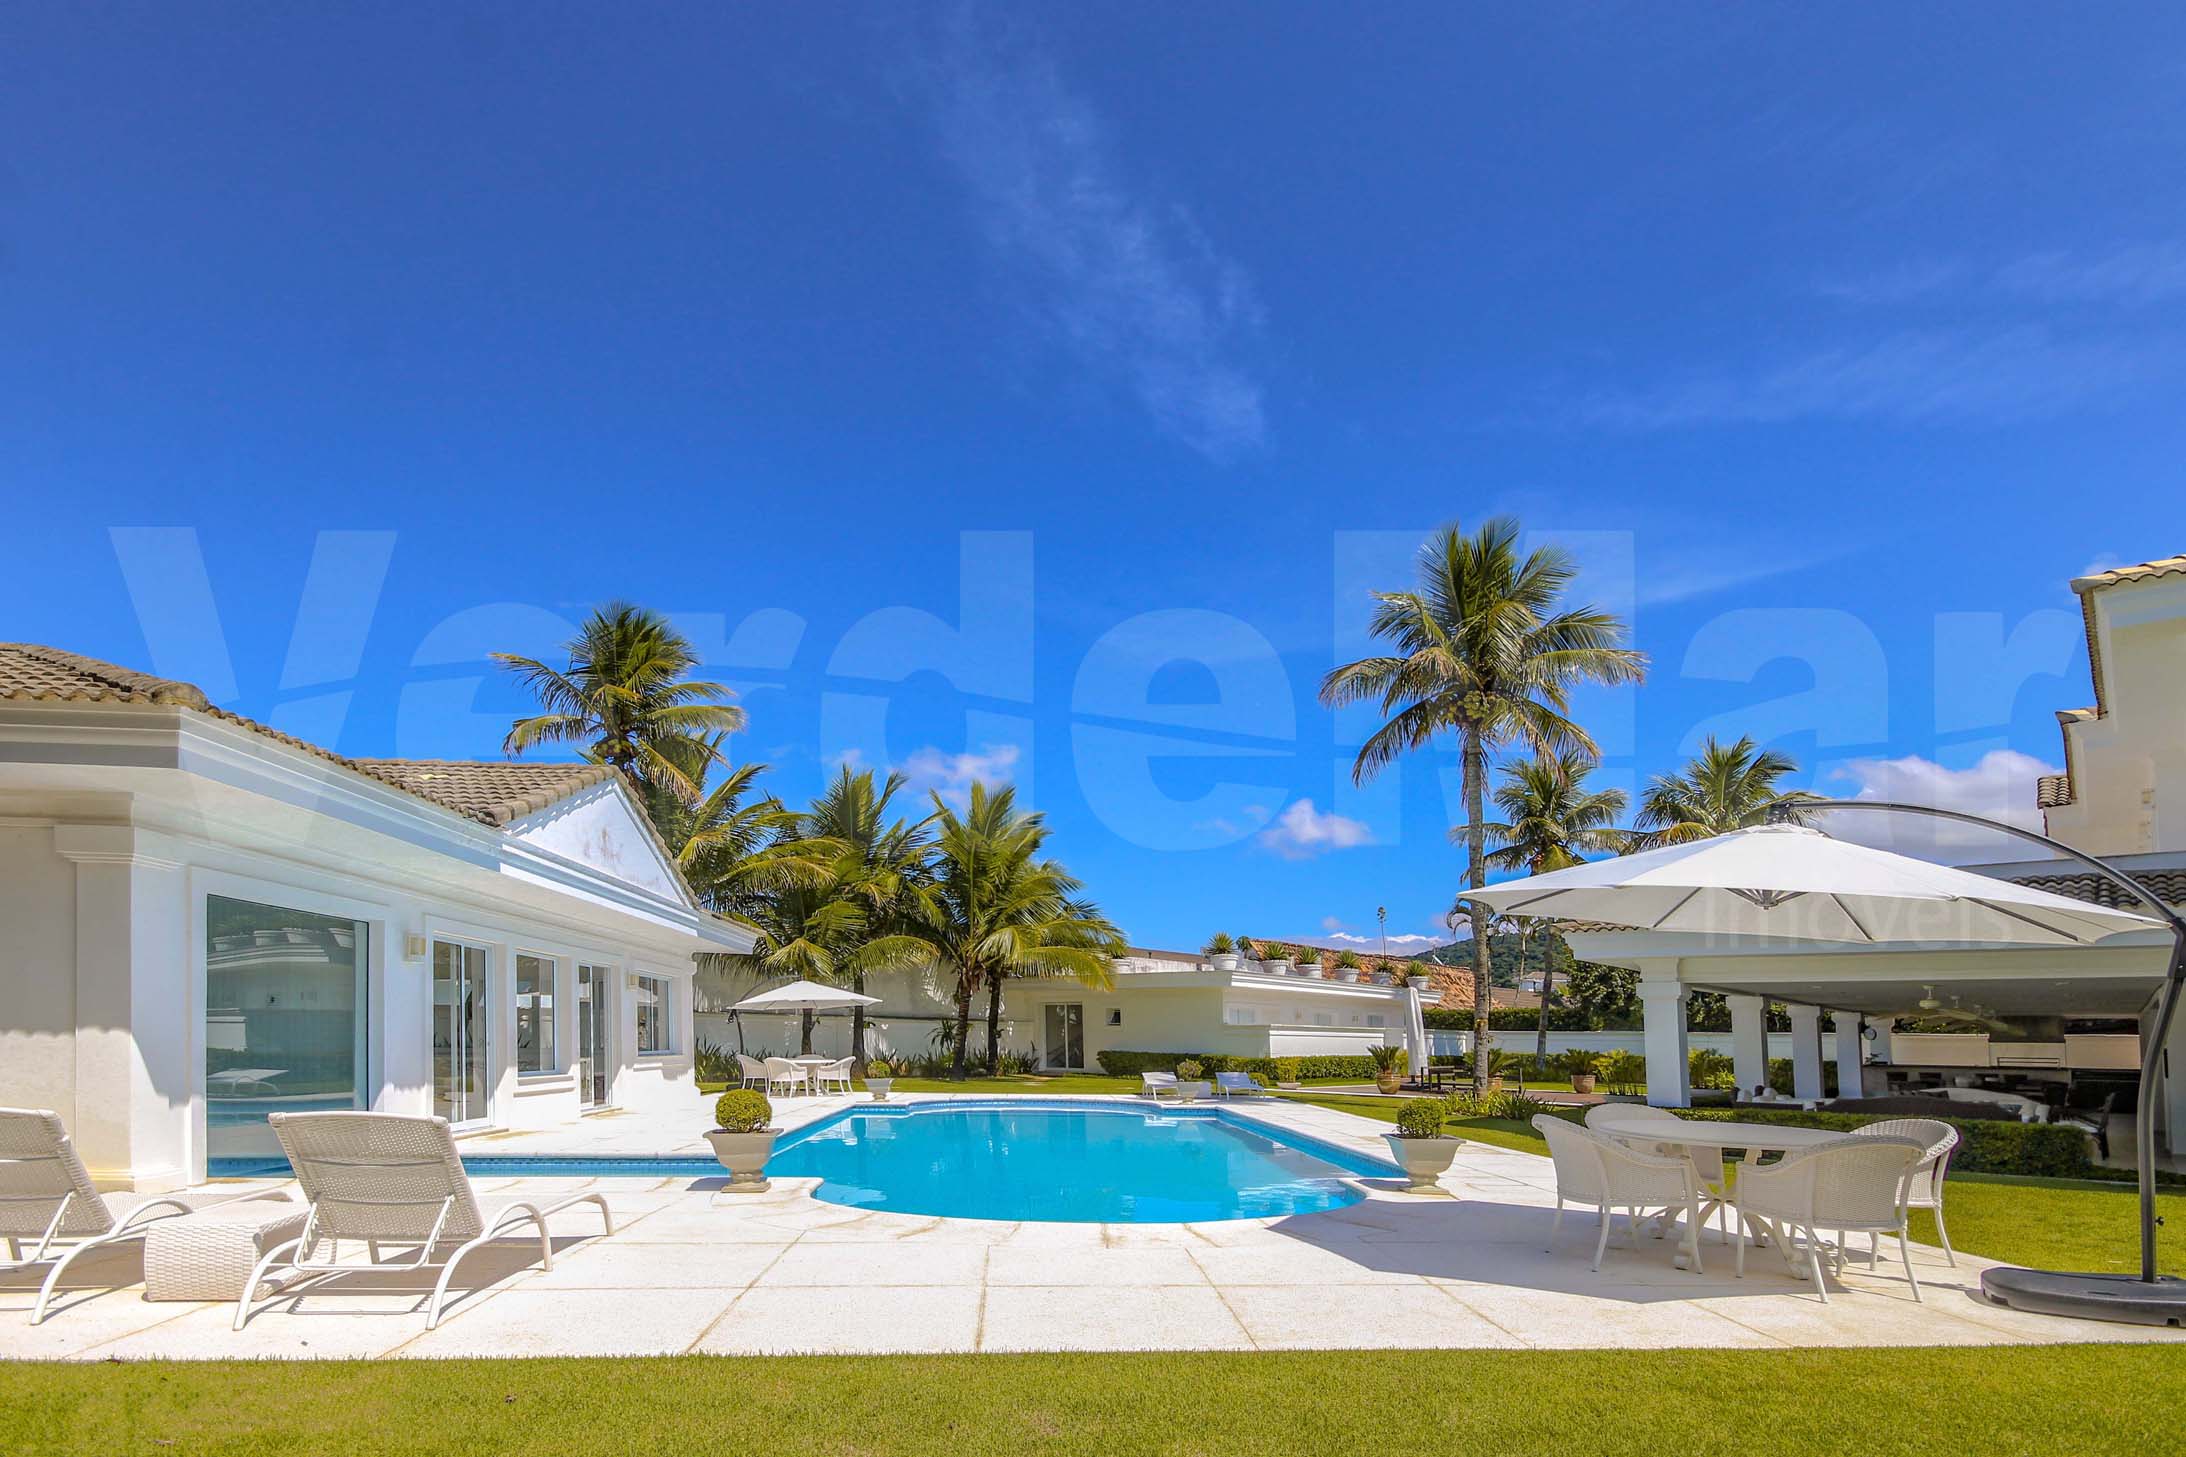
2125, 1298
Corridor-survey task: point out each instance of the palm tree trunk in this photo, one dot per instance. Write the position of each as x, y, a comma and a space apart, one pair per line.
804, 1033
1476, 877
857, 1026
963, 1023
994, 1024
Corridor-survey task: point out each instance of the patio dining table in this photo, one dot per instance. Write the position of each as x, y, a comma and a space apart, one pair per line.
1753, 1139
812, 1066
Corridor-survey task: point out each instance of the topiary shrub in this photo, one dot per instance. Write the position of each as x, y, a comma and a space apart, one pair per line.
1190, 1071
1287, 1069
742, 1110
879, 1068
1420, 1118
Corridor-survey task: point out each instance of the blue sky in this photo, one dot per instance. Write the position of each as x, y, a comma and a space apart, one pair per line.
1037, 391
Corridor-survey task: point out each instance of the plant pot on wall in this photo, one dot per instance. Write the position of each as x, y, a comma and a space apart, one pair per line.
1280, 966
1224, 960
1416, 983
1347, 973
1425, 1160
745, 1156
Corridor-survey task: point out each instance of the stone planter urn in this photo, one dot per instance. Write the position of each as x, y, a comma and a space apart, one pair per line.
1309, 968
1582, 1083
1425, 1160
1384, 979
879, 1087
1193, 1092
1347, 973
1416, 983
1280, 966
745, 1156
1224, 960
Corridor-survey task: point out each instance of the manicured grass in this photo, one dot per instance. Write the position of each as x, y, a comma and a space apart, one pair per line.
2051, 1224
2046, 1400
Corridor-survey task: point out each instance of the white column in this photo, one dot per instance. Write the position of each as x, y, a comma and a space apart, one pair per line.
1806, 1052
140, 1025
1749, 1042
1663, 1018
1879, 1049
1849, 1049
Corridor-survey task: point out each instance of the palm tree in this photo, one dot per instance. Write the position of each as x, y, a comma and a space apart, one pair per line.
877, 867
995, 909
733, 853
623, 700
1726, 787
1484, 650
1551, 819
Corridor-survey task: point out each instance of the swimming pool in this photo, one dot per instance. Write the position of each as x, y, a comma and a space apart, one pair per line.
1077, 1159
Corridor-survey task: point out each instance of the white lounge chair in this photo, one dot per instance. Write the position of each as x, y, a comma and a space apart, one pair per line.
837, 1071
47, 1201
1237, 1085
1596, 1170
1848, 1184
1924, 1181
789, 1076
391, 1179
1153, 1085
752, 1070
1628, 1121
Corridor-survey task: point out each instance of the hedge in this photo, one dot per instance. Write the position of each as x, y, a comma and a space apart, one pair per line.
1274, 1069
1985, 1145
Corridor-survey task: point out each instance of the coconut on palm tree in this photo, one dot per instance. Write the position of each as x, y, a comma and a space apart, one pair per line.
993, 909
623, 698
1483, 649
1725, 787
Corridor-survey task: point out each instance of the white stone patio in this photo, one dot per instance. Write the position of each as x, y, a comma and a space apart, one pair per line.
690, 1269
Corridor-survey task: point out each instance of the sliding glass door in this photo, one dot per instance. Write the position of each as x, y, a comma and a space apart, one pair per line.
284, 1020
460, 1040
1065, 1028
595, 1003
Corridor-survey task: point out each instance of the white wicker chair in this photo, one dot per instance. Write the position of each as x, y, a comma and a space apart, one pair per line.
386, 1178
752, 1070
1596, 1170
1924, 1183
835, 1072
47, 1201
1848, 1184
790, 1076
1629, 1121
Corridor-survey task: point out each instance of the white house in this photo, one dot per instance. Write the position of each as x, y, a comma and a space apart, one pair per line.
2069, 1015
203, 920
1162, 1001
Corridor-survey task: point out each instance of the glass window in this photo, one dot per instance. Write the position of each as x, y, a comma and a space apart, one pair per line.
1238, 1016
653, 1007
535, 1014
284, 1019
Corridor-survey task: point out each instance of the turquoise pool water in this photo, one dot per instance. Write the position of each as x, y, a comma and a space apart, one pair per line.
1020, 1159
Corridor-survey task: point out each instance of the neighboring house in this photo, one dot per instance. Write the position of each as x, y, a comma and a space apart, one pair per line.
2071, 1013
203, 919
1163, 1001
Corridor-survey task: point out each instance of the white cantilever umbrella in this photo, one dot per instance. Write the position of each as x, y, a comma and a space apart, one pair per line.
1792, 881
804, 996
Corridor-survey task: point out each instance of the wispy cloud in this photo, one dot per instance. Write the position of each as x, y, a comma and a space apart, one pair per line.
1405, 944
1912, 376
1998, 786
1301, 832
2139, 273
1661, 582
1127, 282
953, 775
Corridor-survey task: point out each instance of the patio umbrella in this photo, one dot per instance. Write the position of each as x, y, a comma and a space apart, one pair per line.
806, 997
1792, 881
1789, 880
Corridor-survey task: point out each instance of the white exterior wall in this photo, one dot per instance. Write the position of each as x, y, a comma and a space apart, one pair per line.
2130, 764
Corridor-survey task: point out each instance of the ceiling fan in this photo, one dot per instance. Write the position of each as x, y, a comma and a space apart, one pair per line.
1933, 1008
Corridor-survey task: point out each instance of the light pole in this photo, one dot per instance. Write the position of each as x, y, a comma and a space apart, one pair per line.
2151, 1299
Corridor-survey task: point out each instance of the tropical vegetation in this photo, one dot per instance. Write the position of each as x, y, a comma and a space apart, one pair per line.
1723, 788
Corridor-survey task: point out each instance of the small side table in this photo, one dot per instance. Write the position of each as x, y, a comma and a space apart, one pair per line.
208, 1255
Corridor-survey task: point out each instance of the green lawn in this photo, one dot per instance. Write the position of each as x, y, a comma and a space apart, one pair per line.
2052, 1224
2080, 1399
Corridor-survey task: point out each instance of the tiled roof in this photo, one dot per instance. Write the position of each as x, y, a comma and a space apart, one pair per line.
2053, 791
492, 793
2168, 885
2088, 586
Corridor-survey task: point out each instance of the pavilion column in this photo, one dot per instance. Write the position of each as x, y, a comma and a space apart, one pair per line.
1806, 1052
1849, 1050
1663, 1021
1749, 1042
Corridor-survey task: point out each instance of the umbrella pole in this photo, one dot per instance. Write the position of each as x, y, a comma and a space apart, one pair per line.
2153, 1299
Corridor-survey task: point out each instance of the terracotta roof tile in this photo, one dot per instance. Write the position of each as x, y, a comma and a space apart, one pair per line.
493, 792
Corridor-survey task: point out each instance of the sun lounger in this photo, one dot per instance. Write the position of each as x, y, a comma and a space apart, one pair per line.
1237, 1085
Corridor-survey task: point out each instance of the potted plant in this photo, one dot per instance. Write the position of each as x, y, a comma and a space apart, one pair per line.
879, 1078
741, 1139
1499, 1064
1309, 961
1221, 951
1417, 981
1347, 966
1420, 1145
1189, 1088
1275, 958
1389, 1065
1582, 1067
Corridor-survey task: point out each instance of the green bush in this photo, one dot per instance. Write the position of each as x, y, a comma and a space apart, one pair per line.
1711, 1070
1985, 1145
711, 1064
1420, 1118
1190, 1071
879, 1068
742, 1110
1623, 1070
1126, 1064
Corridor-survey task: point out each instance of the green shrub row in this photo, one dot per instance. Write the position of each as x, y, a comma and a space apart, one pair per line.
1985, 1146
1273, 1069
